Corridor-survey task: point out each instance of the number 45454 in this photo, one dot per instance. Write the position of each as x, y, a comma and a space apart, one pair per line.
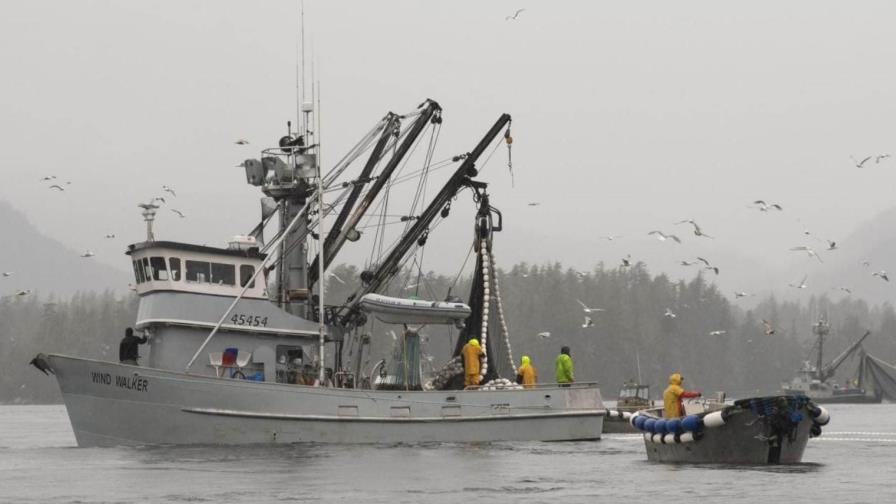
249, 320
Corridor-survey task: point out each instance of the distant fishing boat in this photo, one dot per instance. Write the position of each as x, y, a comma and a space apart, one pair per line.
243, 347
633, 396
758, 430
816, 381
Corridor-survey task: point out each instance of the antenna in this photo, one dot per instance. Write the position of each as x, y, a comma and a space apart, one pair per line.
638, 363
300, 61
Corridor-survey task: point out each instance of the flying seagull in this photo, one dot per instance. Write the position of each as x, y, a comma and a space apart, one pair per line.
765, 207
697, 230
588, 322
534, 203
586, 309
179, 213
22, 293
663, 236
169, 190
110, 235
49, 177
669, 314
866, 263
738, 295
627, 261
845, 289
334, 277
769, 330
242, 141
717, 333
860, 163
610, 237
8, 273
57, 187
514, 16
158, 198
832, 245
880, 157
801, 284
882, 274
88, 253
688, 263
544, 335
808, 250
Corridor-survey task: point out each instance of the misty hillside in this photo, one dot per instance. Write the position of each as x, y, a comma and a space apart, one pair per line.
46, 266
873, 241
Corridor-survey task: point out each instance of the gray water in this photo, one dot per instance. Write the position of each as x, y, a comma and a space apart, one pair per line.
853, 461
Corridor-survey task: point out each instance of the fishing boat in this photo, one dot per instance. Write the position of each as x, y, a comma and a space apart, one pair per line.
758, 430
243, 347
633, 397
816, 381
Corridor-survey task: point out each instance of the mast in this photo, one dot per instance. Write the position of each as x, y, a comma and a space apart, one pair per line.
821, 329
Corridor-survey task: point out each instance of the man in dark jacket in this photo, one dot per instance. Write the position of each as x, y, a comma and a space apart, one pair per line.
127, 350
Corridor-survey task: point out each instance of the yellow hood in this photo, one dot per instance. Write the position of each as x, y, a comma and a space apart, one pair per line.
675, 379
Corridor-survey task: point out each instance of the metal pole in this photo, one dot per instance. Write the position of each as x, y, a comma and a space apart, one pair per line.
242, 292
320, 266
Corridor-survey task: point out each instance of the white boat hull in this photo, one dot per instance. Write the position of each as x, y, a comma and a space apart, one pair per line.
113, 404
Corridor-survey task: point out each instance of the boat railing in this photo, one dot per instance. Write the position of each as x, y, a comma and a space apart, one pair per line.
574, 385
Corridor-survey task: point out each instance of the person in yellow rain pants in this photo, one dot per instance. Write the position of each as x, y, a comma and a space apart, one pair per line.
526, 374
472, 353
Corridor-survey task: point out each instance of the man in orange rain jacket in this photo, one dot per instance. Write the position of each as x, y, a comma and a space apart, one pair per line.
526, 373
471, 352
673, 395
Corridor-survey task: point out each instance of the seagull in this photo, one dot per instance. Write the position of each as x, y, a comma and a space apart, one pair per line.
544, 335
56, 186
765, 207
880, 157
242, 141
412, 286
179, 213
832, 245
88, 253
769, 330
717, 333
859, 163
688, 263
8, 273
158, 198
49, 177
534, 203
669, 314
845, 289
882, 274
514, 16
808, 250
334, 277
610, 237
801, 284
697, 230
22, 293
714, 269
394, 336
663, 236
738, 295
169, 190
866, 263
110, 235
627, 261
588, 322
589, 310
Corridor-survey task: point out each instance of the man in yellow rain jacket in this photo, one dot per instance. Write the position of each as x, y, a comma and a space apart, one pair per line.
526, 373
472, 353
673, 395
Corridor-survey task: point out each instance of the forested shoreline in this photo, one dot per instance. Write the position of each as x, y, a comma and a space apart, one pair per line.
712, 340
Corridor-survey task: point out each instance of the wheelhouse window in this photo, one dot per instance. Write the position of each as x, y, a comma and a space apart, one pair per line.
223, 274
198, 271
138, 272
175, 268
147, 272
246, 272
159, 268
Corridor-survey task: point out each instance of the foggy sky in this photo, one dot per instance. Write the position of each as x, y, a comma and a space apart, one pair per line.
627, 118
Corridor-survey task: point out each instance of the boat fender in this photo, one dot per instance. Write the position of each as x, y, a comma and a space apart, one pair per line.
815, 430
819, 414
646, 437
673, 425
691, 423
714, 419
687, 437
626, 415
648, 425
659, 427
668, 438
656, 438
638, 421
